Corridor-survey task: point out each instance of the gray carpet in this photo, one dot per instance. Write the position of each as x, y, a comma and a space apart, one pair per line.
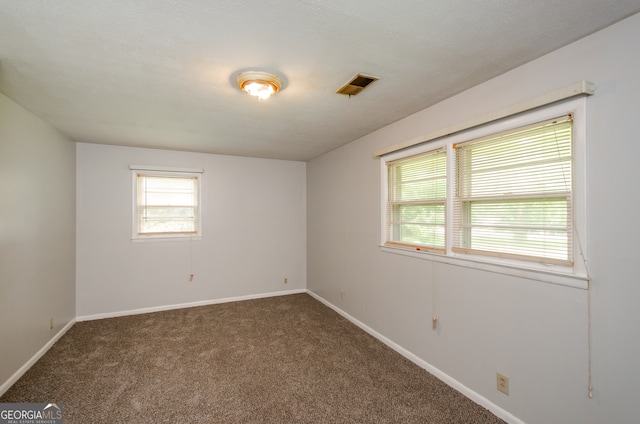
286, 359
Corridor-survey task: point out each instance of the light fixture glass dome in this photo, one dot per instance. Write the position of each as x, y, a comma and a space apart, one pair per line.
259, 89
258, 83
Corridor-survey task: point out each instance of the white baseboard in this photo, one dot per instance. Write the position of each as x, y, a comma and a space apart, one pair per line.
16, 375
474, 396
186, 305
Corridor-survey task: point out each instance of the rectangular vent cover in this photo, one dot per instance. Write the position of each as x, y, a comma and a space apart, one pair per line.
356, 84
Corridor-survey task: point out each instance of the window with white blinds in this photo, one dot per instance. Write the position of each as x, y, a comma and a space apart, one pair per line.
167, 204
513, 194
416, 205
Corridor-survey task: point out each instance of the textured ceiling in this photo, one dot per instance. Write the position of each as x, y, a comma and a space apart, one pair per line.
159, 73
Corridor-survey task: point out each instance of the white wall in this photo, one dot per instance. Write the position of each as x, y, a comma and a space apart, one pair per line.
254, 232
37, 235
534, 332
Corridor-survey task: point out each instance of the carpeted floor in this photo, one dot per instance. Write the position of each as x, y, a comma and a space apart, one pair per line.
286, 359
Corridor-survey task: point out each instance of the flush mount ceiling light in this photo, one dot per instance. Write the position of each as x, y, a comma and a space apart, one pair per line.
258, 83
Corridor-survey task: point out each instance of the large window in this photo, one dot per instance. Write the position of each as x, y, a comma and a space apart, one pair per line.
166, 204
509, 193
513, 193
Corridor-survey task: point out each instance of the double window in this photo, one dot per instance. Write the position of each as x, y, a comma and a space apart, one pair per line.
505, 192
166, 204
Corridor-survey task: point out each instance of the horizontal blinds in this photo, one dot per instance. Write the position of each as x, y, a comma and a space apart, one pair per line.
167, 205
513, 193
416, 202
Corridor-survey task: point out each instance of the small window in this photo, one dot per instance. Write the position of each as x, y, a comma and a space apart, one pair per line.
417, 196
166, 204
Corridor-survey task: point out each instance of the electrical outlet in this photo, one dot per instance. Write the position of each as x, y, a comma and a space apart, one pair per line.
434, 322
50, 324
286, 280
341, 294
502, 383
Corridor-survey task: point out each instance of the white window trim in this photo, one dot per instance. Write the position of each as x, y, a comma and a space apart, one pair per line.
573, 276
164, 171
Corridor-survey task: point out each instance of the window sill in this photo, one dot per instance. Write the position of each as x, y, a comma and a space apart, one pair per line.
163, 238
546, 276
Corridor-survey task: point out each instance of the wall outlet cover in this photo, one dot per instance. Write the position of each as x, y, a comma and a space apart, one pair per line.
502, 382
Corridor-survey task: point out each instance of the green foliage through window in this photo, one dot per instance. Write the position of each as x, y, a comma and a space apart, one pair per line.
417, 194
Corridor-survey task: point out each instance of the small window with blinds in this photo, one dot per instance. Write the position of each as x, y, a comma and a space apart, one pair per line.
416, 201
514, 194
166, 204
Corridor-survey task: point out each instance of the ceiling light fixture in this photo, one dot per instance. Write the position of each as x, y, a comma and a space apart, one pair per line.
258, 83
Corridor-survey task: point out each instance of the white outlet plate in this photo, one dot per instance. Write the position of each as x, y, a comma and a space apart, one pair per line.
502, 382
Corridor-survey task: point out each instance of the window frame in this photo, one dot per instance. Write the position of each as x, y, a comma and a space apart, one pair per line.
574, 275
173, 173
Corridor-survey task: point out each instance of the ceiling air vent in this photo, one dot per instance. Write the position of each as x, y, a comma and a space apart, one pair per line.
356, 84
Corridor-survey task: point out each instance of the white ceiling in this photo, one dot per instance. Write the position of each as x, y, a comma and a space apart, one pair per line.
160, 73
